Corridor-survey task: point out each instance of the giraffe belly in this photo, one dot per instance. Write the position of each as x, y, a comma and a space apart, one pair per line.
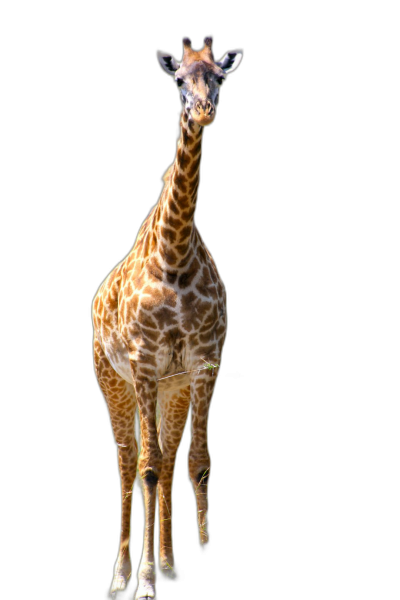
118, 358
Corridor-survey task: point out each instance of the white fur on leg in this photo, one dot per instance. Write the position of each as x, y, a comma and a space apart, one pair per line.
122, 572
147, 578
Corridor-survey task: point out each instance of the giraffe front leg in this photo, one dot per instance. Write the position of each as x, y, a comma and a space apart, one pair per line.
174, 409
121, 402
146, 575
150, 464
127, 458
202, 387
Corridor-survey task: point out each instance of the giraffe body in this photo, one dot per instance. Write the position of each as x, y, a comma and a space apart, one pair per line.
158, 318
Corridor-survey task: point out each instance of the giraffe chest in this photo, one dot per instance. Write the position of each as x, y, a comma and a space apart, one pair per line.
178, 320
162, 312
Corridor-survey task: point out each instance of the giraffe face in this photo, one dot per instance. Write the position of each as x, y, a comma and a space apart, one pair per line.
199, 85
199, 78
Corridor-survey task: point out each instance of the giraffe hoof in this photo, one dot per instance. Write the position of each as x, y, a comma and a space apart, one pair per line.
118, 595
143, 594
169, 574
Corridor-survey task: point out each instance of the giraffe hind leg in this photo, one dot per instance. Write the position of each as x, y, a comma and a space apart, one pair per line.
121, 401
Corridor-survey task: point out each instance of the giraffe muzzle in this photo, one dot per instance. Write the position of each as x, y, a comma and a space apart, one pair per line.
203, 112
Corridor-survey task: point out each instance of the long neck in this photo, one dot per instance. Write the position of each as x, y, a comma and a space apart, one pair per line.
177, 204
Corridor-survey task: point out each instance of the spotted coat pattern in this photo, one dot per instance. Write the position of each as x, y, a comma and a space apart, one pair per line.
158, 317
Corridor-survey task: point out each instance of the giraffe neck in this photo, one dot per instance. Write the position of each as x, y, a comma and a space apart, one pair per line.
177, 204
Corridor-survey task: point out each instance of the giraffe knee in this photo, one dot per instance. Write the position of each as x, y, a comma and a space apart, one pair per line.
202, 477
150, 465
150, 478
199, 469
149, 471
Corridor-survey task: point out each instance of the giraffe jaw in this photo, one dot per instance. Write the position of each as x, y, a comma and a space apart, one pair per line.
202, 120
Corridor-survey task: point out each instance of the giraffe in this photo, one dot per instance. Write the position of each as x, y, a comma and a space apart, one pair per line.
159, 325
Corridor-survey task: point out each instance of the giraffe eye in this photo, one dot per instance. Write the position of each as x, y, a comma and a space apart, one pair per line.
179, 82
220, 80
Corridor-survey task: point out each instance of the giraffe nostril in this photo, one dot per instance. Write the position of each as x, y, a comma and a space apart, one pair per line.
204, 107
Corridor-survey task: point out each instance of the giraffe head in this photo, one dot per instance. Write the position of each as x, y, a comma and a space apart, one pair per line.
199, 78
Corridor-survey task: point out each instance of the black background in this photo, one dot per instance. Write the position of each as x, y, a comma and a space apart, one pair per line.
100, 131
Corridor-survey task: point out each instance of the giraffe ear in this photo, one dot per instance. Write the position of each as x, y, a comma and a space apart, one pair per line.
167, 62
230, 61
